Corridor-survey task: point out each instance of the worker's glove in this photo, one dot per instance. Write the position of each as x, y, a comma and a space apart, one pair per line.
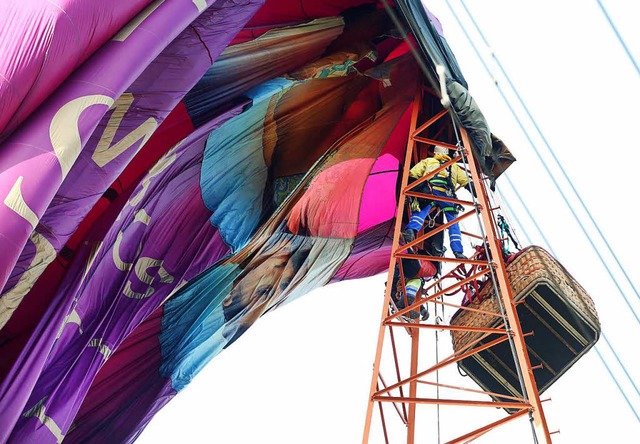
459, 208
472, 189
415, 205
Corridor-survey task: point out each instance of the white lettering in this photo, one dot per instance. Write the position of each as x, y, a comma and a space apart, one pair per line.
44, 255
64, 132
200, 4
15, 201
128, 29
105, 152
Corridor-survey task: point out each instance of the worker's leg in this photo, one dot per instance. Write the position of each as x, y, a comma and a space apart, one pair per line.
455, 236
417, 219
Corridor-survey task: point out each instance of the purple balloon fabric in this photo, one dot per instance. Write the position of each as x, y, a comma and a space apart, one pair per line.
290, 139
44, 41
123, 130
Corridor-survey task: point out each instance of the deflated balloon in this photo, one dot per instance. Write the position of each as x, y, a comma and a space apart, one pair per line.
170, 171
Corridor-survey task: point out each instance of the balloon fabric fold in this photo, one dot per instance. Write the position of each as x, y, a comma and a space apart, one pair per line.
171, 171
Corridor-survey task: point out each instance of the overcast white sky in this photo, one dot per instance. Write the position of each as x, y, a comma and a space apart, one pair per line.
302, 373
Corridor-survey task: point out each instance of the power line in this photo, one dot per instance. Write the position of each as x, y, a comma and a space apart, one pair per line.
544, 165
554, 181
602, 334
532, 144
557, 187
562, 170
620, 39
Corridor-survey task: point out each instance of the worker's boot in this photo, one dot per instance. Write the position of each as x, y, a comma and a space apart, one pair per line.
459, 255
409, 235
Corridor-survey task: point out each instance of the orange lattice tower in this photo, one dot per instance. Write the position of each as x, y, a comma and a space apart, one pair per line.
432, 124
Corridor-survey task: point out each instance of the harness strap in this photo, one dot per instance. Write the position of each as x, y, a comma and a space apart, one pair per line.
444, 182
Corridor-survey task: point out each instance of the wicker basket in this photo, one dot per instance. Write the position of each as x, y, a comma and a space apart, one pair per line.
553, 305
532, 265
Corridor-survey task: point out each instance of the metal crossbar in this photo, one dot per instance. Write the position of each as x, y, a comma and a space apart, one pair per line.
489, 265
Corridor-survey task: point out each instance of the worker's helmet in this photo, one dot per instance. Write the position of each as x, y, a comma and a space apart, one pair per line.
437, 149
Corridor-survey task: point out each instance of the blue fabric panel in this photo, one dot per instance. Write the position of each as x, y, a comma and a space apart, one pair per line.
192, 325
234, 173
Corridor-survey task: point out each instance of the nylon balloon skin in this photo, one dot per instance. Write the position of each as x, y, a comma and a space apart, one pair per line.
44, 42
35, 160
120, 245
131, 121
265, 170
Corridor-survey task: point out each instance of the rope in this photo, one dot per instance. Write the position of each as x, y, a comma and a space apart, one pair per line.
435, 312
492, 273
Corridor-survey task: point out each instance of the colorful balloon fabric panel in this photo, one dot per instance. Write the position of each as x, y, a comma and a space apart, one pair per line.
186, 167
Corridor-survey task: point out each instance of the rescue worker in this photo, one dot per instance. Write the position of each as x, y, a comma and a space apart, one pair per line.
412, 288
416, 273
442, 184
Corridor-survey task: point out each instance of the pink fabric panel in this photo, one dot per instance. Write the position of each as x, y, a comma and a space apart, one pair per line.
379, 197
330, 206
364, 264
379, 193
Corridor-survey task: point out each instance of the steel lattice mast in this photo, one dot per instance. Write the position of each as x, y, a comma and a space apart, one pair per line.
429, 127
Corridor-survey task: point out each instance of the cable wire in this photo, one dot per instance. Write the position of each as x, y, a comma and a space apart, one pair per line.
553, 180
602, 335
557, 187
562, 170
620, 39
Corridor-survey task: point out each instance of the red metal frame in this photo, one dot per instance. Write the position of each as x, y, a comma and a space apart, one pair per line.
482, 266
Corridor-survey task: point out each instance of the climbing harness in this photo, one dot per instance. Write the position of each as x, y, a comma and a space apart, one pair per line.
430, 222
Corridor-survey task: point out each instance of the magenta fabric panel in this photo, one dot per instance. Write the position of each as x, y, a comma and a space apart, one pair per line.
379, 195
38, 156
282, 12
136, 115
43, 41
379, 201
372, 247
